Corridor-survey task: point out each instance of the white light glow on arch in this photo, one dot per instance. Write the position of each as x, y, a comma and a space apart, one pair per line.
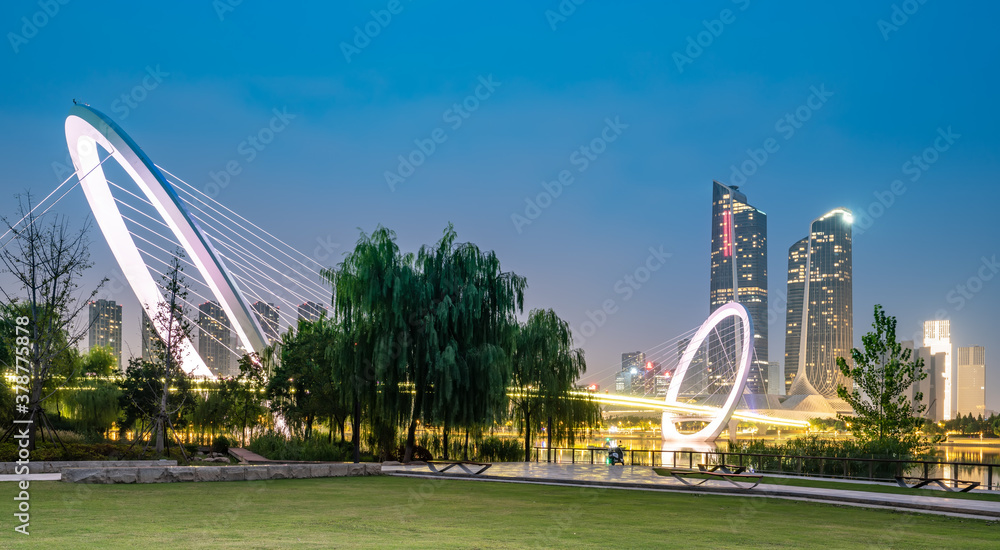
714, 428
87, 130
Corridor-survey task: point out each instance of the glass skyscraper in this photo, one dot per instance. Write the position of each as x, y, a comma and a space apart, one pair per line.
820, 314
793, 312
739, 233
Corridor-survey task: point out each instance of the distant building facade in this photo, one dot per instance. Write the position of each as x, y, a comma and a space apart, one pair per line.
149, 338
739, 234
937, 337
630, 379
215, 339
311, 311
106, 327
971, 367
267, 316
775, 378
932, 387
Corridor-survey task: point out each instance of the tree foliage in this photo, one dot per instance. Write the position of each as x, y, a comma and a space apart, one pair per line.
545, 369
95, 405
886, 414
429, 331
302, 387
249, 398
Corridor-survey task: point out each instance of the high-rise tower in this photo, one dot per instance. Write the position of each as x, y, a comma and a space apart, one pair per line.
739, 233
971, 368
215, 338
820, 315
267, 316
106, 327
149, 338
937, 337
793, 312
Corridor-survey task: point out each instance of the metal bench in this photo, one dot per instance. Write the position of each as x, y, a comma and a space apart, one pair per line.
905, 482
464, 465
722, 468
740, 481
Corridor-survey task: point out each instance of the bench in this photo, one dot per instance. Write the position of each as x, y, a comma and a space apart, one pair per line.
735, 479
722, 468
920, 482
464, 465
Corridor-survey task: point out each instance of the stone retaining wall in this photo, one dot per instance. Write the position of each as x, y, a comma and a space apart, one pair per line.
216, 473
58, 466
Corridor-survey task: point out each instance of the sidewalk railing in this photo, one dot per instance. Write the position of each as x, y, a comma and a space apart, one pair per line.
868, 469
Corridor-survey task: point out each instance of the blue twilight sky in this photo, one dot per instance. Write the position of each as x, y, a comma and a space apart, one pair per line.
864, 98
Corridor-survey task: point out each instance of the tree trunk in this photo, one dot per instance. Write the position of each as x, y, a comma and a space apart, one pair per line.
36, 416
527, 436
160, 420
330, 435
411, 431
465, 450
549, 443
445, 441
356, 429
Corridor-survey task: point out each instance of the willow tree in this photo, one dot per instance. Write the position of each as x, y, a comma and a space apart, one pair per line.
428, 331
465, 323
373, 291
545, 369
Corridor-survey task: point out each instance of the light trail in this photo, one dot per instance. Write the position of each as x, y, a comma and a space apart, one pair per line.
689, 408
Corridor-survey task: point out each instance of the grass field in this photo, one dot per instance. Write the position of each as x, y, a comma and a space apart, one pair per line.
388, 512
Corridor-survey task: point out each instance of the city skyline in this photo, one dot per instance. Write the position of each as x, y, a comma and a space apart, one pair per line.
862, 113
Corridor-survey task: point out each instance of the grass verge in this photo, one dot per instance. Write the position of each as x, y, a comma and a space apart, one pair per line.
384, 512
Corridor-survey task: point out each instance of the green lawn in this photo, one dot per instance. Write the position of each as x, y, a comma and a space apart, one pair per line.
390, 512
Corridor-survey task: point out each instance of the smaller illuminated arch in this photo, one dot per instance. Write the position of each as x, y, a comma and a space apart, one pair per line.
711, 432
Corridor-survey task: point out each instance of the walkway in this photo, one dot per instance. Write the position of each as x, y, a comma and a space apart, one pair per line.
643, 478
246, 456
